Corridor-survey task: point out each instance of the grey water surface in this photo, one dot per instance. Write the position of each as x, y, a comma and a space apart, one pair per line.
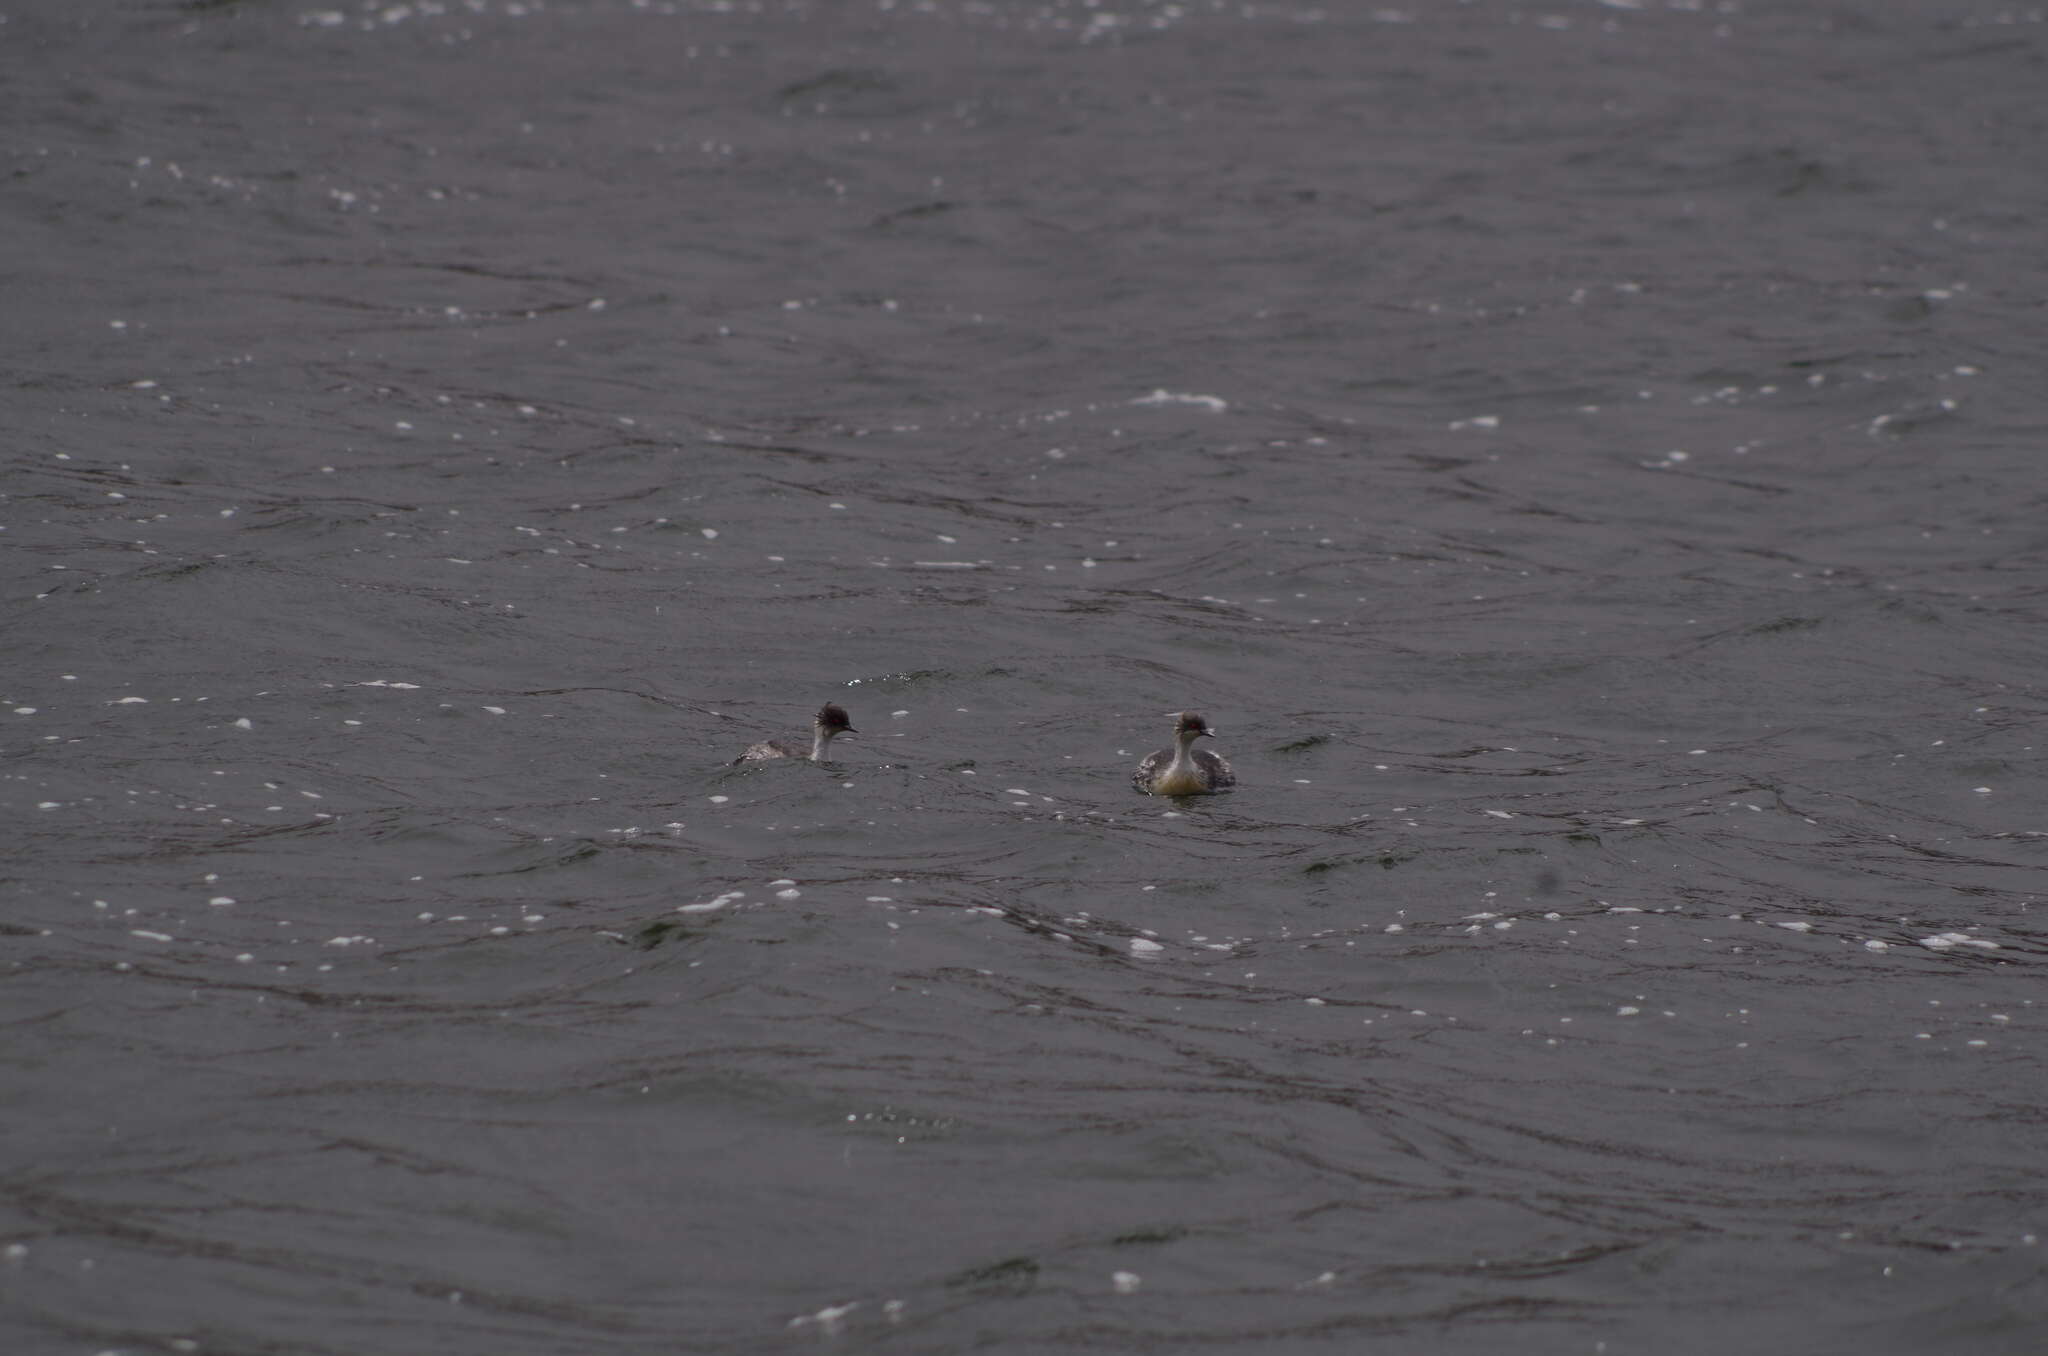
1586, 458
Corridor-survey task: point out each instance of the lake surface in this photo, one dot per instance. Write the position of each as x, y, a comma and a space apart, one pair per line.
1586, 460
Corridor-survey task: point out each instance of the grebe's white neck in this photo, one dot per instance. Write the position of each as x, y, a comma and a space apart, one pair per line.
830, 723
1183, 763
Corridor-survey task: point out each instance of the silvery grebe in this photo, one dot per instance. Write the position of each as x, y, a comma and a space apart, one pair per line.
830, 723
1184, 771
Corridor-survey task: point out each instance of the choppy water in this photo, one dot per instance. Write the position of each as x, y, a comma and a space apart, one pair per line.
1585, 458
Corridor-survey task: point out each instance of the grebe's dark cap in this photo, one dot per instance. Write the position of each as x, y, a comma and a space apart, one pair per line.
834, 718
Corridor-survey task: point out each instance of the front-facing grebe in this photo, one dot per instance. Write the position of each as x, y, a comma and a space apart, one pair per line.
831, 722
1184, 770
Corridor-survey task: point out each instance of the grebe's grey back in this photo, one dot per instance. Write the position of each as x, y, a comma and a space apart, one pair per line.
831, 722
1184, 770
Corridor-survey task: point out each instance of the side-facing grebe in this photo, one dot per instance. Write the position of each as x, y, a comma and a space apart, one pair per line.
831, 722
1185, 770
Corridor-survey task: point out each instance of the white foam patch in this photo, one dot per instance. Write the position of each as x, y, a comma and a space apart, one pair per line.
1145, 946
1948, 941
1162, 396
829, 1318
